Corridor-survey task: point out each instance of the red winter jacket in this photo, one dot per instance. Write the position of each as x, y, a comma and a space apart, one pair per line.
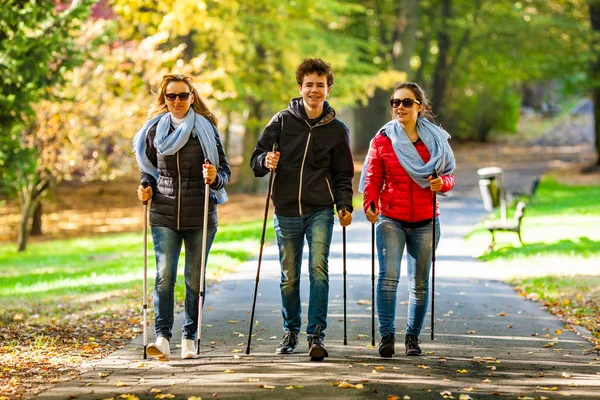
392, 190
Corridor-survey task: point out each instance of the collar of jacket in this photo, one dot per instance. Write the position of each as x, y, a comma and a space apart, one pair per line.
296, 107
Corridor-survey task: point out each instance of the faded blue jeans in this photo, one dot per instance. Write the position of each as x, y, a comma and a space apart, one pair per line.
392, 238
290, 231
167, 248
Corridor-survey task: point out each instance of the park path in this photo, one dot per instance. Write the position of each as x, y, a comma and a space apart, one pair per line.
489, 342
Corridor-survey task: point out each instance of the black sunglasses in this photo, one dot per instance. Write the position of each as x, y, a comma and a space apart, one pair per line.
407, 103
182, 96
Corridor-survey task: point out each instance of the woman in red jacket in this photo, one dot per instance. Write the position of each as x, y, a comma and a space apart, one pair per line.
398, 180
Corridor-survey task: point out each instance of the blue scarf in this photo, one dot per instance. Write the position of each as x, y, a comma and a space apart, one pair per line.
167, 144
436, 141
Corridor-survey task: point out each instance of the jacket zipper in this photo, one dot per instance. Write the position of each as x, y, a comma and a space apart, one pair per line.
302, 168
178, 192
329, 187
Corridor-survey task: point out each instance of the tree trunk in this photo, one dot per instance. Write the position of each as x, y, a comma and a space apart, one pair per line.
595, 72
369, 119
27, 209
441, 73
247, 182
406, 38
36, 222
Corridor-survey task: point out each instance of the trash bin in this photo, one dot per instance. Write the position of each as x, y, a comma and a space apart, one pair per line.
490, 186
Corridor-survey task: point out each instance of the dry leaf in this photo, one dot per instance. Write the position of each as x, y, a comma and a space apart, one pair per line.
236, 351
379, 368
289, 388
165, 396
266, 386
424, 366
232, 321
502, 314
486, 380
229, 371
462, 371
465, 397
558, 332
102, 375
469, 389
392, 397
154, 390
565, 375
550, 344
120, 384
525, 398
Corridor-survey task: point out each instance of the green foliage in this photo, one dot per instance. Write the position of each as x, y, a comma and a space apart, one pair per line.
38, 48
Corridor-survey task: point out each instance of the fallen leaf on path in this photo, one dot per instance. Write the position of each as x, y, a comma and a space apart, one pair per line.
214, 343
469, 389
486, 380
558, 332
564, 394
379, 368
194, 398
424, 366
502, 314
552, 389
346, 385
165, 396
236, 351
492, 367
102, 375
232, 321
550, 344
120, 384
291, 387
363, 302
523, 397
391, 396
462, 371
446, 394
154, 391
465, 397
266, 386
469, 332
128, 396
229, 371
430, 352
565, 375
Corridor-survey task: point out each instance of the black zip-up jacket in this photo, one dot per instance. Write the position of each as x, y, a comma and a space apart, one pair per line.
315, 168
178, 196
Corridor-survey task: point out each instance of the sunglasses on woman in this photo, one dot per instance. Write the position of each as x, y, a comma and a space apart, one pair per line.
182, 96
407, 103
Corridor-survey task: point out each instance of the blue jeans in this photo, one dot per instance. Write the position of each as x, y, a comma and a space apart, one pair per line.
392, 237
167, 248
290, 231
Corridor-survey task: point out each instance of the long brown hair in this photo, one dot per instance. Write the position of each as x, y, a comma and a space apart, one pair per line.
419, 93
198, 105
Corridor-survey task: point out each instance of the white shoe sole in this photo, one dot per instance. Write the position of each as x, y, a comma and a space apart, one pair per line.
153, 351
188, 356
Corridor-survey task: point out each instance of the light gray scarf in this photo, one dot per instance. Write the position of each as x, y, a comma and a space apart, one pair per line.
167, 144
436, 141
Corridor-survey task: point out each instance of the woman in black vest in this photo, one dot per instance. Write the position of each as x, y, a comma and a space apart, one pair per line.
170, 149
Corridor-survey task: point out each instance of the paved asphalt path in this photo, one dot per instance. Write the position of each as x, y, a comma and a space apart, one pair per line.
503, 346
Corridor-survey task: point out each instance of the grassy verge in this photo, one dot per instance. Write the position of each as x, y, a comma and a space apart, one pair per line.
67, 301
558, 265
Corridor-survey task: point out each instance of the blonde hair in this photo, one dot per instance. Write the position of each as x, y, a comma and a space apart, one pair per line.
198, 105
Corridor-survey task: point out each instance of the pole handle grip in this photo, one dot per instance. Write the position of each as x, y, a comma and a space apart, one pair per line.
145, 184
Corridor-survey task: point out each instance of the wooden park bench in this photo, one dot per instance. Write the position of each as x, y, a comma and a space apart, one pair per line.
513, 225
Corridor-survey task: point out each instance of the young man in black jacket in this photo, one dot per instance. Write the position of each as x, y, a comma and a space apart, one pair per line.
314, 171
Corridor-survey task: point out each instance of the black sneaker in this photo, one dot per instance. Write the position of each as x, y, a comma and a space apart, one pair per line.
316, 347
288, 343
412, 345
387, 345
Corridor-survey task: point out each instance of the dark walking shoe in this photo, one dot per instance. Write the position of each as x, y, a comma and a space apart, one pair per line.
288, 343
412, 345
387, 345
316, 347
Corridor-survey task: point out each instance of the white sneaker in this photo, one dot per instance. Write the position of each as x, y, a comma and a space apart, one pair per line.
188, 349
160, 349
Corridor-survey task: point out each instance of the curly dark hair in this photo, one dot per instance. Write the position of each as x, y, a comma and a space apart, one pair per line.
426, 112
312, 65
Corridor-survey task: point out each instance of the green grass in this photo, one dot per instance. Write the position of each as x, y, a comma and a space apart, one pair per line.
62, 276
562, 221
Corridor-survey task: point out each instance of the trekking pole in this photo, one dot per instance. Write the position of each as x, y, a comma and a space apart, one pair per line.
373, 279
262, 243
144, 294
203, 261
435, 175
344, 264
